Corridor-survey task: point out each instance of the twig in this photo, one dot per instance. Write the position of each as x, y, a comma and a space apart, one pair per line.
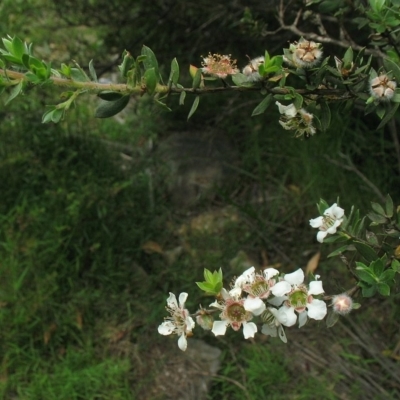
351, 167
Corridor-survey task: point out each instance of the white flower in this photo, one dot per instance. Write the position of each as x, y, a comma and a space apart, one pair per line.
329, 222
233, 314
289, 111
257, 286
297, 297
180, 322
382, 88
275, 318
251, 69
306, 53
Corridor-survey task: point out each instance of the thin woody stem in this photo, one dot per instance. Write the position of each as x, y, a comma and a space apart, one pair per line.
96, 87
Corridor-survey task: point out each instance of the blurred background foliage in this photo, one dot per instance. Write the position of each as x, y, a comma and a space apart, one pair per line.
100, 219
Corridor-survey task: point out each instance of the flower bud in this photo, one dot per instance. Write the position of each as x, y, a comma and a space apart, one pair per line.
342, 304
205, 320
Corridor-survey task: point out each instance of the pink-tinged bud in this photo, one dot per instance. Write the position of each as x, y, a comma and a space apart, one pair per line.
342, 304
205, 321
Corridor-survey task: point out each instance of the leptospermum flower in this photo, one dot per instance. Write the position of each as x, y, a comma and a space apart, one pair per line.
234, 315
297, 297
180, 322
298, 120
382, 87
306, 54
251, 69
329, 222
257, 286
219, 65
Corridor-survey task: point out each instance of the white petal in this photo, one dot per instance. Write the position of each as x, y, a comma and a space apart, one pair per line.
302, 318
277, 301
332, 229
235, 292
270, 272
290, 110
219, 328
316, 309
315, 287
216, 305
282, 334
255, 305
295, 278
249, 329
334, 211
171, 301
269, 330
281, 288
321, 235
225, 294
182, 298
316, 222
182, 343
286, 316
166, 328
189, 324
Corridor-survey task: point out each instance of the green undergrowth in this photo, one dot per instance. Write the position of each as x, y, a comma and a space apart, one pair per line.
90, 248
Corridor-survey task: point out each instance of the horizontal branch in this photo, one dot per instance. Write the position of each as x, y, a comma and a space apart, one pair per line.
97, 87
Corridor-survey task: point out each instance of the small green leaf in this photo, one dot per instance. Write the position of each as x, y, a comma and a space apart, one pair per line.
150, 61
194, 106
162, 105
174, 75
182, 98
109, 95
15, 91
92, 71
378, 219
322, 206
111, 108
378, 208
18, 47
331, 319
263, 105
389, 115
207, 275
367, 252
197, 79
389, 206
241, 79
8, 45
77, 74
383, 289
396, 266
206, 287
338, 251
387, 276
151, 80
366, 276
325, 115
367, 290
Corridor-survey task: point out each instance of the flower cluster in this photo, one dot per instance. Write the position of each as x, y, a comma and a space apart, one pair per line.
298, 120
277, 300
219, 65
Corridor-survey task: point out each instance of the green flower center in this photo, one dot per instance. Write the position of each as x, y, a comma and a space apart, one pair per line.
298, 298
236, 312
